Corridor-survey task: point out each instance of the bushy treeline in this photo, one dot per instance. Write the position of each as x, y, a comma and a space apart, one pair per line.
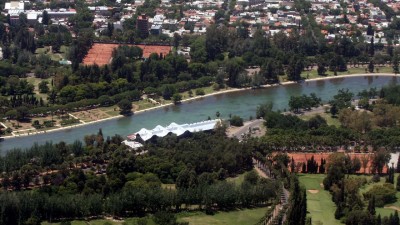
39, 205
297, 203
377, 127
292, 133
200, 153
304, 102
209, 196
352, 206
167, 157
66, 187
391, 94
48, 155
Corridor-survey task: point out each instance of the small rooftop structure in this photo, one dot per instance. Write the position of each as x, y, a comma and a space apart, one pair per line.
14, 5
132, 144
174, 128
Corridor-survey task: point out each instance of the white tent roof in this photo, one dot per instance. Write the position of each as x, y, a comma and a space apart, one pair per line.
174, 128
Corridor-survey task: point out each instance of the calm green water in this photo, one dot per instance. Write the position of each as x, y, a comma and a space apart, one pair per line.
242, 103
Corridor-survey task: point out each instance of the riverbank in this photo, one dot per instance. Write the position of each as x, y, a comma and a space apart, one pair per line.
194, 99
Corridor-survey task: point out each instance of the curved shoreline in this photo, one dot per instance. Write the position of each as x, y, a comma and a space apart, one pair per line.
201, 97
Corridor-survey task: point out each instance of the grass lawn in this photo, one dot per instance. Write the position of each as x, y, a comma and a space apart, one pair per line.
239, 217
128, 221
238, 180
386, 211
207, 90
144, 104
84, 222
319, 205
35, 82
111, 110
314, 74
329, 120
54, 56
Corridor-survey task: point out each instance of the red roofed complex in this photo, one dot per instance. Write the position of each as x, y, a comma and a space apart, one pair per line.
101, 54
300, 158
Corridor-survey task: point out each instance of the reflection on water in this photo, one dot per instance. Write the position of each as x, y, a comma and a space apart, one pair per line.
370, 80
242, 103
337, 81
394, 80
176, 108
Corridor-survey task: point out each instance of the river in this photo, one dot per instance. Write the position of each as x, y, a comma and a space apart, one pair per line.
242, 103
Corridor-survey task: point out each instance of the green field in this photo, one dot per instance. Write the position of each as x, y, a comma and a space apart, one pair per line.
329, 120
35, 82
314, 74
128, 221
319, 205
54, 56
239, 217
386, 211
238, 180
84, 222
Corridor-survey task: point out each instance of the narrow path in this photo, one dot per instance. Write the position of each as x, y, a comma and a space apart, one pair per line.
260, 172
76, 118
240, 132
263, 170
154, 101
17, 132
3, 125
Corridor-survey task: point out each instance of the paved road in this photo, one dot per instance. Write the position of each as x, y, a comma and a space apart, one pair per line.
240, 132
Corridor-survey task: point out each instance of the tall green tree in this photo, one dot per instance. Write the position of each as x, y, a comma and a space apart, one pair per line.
371, 49
269, 71
395, 64
371, 66
125, 106
45, 17
295, 67
233, 69
297, 211
216, 41
371, 206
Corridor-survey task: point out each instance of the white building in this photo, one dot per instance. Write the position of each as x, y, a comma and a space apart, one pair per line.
14, 5
160, 131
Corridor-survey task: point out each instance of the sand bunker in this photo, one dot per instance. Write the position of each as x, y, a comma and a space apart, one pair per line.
313, 191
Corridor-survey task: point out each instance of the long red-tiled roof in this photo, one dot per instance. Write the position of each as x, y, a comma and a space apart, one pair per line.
101, 54
303, 157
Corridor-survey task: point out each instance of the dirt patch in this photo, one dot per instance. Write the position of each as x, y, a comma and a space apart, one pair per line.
392, 207
313, 191
90, 115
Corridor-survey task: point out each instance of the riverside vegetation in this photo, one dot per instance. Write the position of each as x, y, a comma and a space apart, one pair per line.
101, 177
220, 58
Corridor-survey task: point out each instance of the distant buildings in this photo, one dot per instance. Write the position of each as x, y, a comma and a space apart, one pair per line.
142, 25
156, 29
15, 8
